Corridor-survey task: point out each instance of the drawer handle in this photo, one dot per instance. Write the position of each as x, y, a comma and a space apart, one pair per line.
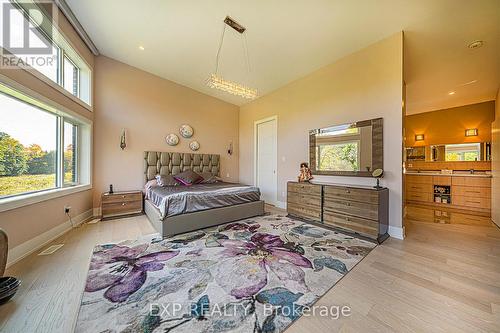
478, 202
347, 204
123, 203
347, 191
472, 192
123, 196
347, 219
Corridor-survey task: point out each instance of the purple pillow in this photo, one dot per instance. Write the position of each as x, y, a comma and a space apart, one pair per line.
188, 178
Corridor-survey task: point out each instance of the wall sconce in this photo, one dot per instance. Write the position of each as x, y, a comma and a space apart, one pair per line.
230, 148
123, 144
419, 137
471, 132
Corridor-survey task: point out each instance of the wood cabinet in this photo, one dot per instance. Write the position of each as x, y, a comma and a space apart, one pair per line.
359, 210
119, 204
468, 193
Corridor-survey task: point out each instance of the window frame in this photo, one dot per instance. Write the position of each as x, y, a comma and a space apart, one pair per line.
84, 162
65, 48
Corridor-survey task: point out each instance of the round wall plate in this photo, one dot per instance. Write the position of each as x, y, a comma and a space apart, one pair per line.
172, 139
194, 145
186, 131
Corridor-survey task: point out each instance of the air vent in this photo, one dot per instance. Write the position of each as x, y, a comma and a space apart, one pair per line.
51, 249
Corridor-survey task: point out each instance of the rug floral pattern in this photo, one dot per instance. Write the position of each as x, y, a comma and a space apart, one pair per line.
254, 275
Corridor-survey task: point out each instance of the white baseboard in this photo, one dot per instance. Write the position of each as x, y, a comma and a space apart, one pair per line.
25, 249
97, 211
397, 232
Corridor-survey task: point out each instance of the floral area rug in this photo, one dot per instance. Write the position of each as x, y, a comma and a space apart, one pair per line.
254, 275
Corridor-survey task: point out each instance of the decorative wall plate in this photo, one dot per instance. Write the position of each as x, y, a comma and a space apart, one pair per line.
172, 139
194, 145
186, 131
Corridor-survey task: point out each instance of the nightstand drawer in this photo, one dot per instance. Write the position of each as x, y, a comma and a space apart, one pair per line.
122, 197
121, 208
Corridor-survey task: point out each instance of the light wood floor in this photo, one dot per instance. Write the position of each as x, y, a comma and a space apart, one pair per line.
441, 278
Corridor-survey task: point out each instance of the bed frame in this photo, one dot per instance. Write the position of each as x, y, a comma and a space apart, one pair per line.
169, 163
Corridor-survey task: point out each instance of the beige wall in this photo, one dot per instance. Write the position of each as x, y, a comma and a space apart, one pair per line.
363, 85
25, 223
449, 125
495, 163
149, 108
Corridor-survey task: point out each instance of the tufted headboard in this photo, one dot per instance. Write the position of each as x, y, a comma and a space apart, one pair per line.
165, 163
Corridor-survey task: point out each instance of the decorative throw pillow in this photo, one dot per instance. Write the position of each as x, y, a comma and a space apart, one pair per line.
209, 178
166, 180
188, 178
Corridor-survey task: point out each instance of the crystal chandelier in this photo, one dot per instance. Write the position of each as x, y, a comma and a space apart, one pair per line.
231, 87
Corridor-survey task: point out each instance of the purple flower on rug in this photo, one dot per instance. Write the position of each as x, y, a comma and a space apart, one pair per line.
123, 270
245, 270
237, 226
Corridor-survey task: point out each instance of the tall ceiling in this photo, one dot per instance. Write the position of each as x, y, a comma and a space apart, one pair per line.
289, 39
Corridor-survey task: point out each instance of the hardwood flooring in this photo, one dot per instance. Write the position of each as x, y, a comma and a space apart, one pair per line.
444, 277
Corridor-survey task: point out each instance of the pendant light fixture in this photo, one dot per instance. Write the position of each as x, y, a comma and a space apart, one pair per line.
218, 82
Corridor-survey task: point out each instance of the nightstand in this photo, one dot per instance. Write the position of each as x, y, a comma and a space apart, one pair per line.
120, 204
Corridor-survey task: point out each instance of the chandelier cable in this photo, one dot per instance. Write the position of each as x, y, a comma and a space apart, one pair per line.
220, 47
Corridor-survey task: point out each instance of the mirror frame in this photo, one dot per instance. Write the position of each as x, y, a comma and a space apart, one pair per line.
377, 150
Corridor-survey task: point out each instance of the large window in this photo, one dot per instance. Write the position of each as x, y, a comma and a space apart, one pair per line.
40, 147
63, 65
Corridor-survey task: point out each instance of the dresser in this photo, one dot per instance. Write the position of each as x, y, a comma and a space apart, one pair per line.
120, 204
353, 209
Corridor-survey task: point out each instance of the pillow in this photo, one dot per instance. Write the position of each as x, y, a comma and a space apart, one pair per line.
188, 178
149, 185
166, 180
209, 178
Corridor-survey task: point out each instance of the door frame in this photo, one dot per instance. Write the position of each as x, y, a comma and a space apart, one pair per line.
255, 145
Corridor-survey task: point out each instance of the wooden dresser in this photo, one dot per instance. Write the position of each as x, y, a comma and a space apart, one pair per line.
119, 204
360, 210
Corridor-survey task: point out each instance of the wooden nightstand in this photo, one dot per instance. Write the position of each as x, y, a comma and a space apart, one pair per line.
119, 204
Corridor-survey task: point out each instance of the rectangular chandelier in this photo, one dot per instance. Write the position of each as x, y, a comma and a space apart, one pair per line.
231, 87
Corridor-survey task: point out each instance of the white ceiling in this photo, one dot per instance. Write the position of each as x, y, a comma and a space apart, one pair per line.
289, 39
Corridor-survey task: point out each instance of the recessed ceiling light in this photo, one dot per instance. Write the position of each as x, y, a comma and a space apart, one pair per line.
476, 44
451, 93
141, 47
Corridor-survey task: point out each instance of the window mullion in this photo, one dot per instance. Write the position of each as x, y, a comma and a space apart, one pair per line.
60, 152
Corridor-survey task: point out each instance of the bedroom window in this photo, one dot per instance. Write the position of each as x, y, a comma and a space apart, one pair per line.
41, 148
62, 66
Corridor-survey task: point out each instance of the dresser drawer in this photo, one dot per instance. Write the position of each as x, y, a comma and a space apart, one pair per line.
419, 196
360, 209
363, 227
467, 191
303, 211
121, 208
441, 180
354, 194
304, 199
122, 197
422, 188
305, 188
474, 202
471, 181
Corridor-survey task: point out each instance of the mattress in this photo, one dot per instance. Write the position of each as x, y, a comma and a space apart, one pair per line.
175, 200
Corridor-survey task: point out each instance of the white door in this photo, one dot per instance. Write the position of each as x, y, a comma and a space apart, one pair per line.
266, 159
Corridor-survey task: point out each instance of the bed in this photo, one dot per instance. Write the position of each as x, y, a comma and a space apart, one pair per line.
180, 209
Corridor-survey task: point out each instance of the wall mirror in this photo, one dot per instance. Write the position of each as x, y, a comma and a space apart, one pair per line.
456, 152
354, 149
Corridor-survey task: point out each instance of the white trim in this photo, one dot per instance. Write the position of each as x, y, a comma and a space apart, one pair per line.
25, 249
97, 211
255, 139
36, 197
397, 232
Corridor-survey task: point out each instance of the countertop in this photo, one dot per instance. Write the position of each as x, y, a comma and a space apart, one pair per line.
455, 174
